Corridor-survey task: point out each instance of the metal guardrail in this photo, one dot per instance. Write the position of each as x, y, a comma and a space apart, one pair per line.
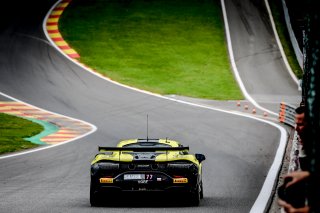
287, 114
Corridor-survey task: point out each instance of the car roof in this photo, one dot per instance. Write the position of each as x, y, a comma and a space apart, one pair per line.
163, 141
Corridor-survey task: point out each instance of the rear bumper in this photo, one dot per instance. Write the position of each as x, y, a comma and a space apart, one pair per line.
143, 189
160, 182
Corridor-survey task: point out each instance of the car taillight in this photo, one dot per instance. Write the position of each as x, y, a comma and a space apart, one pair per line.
108, 165
182, 167
102, 167
177, 176
179, 165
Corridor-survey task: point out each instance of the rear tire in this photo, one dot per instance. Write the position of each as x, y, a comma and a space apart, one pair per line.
201, 190
94, 195
195, 197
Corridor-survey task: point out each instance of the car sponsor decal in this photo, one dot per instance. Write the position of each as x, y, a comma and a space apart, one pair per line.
180, 180
106, 180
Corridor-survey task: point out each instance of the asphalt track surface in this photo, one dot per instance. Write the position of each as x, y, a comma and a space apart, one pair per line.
257, 55
239, 150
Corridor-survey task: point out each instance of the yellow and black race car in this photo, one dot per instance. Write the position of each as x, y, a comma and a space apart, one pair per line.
146, 165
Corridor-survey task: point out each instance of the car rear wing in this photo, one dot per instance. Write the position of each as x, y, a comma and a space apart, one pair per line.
142, 149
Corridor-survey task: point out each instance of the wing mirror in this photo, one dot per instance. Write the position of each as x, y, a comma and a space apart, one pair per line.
200, 157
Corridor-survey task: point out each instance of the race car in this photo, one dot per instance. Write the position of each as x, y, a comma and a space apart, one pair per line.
146, 165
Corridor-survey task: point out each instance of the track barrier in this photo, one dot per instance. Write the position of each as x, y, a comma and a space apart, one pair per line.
294, 164
287, 114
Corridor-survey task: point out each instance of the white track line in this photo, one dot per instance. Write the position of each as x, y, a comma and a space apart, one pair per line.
263, 198
262, 201
94, 128
284, 57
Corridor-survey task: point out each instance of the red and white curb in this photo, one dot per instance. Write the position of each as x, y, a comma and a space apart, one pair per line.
68, 128
90, 128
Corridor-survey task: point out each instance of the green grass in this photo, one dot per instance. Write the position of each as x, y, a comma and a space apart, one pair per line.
164, 46
278, 16
12, 131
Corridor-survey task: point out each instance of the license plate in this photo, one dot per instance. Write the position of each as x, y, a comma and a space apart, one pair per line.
134, 177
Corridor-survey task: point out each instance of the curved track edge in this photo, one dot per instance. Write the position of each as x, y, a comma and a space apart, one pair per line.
93, 129
265, 194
